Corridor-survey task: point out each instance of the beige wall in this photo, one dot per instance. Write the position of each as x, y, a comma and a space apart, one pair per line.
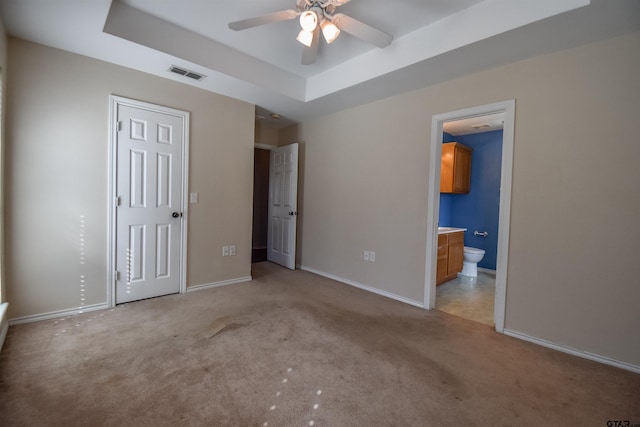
265, 134
57, 171
575, 220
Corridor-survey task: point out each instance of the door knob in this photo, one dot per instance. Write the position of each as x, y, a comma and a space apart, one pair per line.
176, 214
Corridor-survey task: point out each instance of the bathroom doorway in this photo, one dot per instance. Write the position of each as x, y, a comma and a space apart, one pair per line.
505, 110
475, 210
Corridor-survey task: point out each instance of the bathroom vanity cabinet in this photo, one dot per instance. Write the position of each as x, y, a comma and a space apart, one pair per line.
450, 256
455, 170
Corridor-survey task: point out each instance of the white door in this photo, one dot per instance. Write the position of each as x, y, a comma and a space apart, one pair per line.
283, 206
149, 150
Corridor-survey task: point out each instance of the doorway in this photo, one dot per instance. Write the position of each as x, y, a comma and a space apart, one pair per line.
148, 186
260, 204
275, 205
475, 209
508, 109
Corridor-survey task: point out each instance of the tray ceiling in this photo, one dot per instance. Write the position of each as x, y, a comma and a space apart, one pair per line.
433, 41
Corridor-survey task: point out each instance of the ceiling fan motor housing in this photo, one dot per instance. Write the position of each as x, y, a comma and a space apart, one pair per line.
322, 9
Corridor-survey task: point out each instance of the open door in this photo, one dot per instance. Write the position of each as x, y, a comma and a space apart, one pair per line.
283, 206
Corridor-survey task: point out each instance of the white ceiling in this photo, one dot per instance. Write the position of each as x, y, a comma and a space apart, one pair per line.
275, 43
478, 124
434, 40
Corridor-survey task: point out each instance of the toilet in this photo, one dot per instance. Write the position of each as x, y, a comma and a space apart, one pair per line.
472, 256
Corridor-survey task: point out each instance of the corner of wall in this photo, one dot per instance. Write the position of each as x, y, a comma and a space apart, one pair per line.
4, 323
3, 87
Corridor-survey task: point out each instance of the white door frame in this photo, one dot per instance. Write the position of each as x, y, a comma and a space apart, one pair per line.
437, 122
114, 103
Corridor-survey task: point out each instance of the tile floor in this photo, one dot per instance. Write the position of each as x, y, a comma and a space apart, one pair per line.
469, 298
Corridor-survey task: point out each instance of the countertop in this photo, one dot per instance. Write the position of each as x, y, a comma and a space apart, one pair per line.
447, 230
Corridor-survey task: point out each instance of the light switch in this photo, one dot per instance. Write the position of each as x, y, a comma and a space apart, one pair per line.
193, 197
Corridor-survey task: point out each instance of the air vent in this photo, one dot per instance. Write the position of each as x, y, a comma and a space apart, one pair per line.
186, 73
482, 126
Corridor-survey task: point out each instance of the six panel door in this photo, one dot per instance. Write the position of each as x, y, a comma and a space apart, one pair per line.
283, 205
148, 216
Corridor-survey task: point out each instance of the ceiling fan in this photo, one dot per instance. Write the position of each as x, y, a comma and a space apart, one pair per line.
316, 16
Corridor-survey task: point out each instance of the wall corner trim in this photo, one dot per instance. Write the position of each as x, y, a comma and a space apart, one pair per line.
573, 351
363, 287
218, 284
4, 323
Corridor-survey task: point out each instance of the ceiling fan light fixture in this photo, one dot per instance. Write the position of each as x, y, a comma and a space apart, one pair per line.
309, 20
329, 31
305, 37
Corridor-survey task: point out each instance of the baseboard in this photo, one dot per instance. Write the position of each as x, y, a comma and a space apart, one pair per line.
4, 323
220, 283
363, 287
487, 271
57, 314
575, 352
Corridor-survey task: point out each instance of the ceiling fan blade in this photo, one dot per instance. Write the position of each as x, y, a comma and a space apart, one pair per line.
361, 30
309, 54
283, 15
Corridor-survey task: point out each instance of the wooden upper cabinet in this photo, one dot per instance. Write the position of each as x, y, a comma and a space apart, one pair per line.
455, 170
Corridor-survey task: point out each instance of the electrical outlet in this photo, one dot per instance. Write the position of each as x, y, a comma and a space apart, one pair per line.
366, 255
372, 256
193, 197
225, 251
232, 250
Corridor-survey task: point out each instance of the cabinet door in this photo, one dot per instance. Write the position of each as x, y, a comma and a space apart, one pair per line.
455, 168
442, 268
462, 171
456, 253
446, 168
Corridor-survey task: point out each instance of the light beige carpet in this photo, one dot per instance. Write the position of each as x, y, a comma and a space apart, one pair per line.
294, 349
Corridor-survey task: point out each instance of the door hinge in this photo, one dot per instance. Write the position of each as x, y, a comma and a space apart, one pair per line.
117, 275
119, 126
117, 201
